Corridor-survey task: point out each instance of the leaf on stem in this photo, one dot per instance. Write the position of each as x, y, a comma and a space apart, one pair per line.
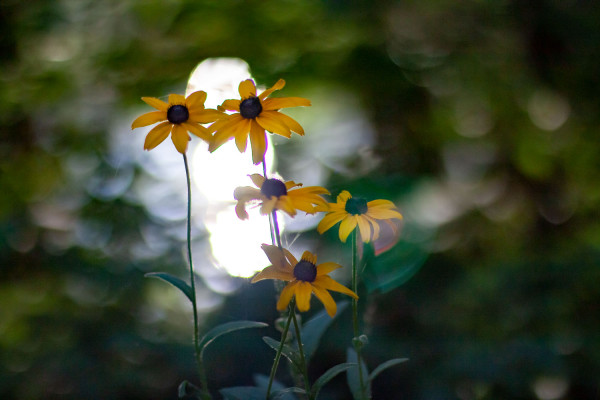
175, 281
329, 375
243, 393
383, 366
353, 377
287, 351
223, 329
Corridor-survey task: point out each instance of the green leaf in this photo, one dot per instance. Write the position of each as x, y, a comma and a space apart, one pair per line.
313, 330
383, 366
353, 378
187, 389
175, 281
243, 393
223, 329
287, 351
329, 375
285, 393
262, 381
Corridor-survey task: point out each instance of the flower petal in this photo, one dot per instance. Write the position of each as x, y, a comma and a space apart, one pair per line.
303, 292
364, 227
347, 226
224, 130
157, 135
285, 204
327, 267
156, 103
204, 115
277, 256
277, 103
257, 179
198, 130
277, 86
231, 105
286, 295
327, 282
379, 213
330, 220
326, 299
180, 138
270, 121
149, 119
196, 100
176, 99
258, 141
247, 89
291, 123
268, 205
272, 272
344, 196
241, 135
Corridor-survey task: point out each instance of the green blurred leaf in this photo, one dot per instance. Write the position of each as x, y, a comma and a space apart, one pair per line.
314, 329
383, 366
329, 375
173, 280
279, 395
353, 377
228, 327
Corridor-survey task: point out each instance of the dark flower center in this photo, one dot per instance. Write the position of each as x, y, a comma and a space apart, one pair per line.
356, 206
178, 114
273, 187
250, 108
305, 271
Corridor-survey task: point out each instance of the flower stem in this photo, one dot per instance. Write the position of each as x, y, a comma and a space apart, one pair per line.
201, 371
301, 351
355, 324
276, 229
278, 355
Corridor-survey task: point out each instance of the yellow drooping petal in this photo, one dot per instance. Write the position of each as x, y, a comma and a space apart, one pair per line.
157, 135
327, 282
231, 105
149, 119
330, 220
198, 130
271, 122
276, 103
347, 226
379, 213
364, 227
291, 123
258, 141
273, 272
303, 293
327, 267
180, 138
325, 298
286, 295
204, 115
277, 86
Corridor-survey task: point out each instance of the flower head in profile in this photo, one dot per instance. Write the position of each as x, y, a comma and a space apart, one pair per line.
180, 116
252, 116
273, 194
305, 277
353, 211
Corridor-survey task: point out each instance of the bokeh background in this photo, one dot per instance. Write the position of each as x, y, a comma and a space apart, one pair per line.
479, 119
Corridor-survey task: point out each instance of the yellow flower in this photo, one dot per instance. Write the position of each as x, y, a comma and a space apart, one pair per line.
180, 115
278, 195
255, 114
304, 277
354, 211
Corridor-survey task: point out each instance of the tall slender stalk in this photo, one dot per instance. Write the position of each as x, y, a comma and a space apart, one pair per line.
355, 322
278, 354
301, 351
204, 381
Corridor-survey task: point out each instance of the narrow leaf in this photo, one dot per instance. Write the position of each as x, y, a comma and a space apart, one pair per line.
243, 393
353, 377
262, 381
329, 375
314, 328
175, 281
383, 366
287, 351
223, 329
285, 393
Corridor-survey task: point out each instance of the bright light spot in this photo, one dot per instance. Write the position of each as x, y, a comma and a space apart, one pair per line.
550, 388
548, 110
235, 244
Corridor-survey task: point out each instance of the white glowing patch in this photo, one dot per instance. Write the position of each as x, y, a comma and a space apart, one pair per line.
235, 243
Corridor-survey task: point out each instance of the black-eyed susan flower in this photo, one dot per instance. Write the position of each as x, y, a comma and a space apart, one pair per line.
305, 277
180, 115
353, 211
274, 194
253, 115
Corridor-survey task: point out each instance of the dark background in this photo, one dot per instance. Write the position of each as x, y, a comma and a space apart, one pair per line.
484, 117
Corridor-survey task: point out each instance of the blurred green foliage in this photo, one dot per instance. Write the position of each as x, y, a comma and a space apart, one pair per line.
485, 117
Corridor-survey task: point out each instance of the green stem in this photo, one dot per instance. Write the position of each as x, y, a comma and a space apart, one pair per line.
276, 229
301, 350
278, 355
355, 324
205, 393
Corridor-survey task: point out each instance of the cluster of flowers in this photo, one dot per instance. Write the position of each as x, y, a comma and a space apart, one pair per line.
251, 117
